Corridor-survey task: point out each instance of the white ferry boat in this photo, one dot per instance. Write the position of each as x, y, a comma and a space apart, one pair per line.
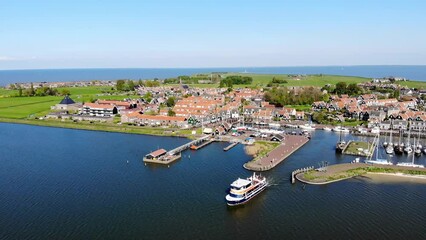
242, 190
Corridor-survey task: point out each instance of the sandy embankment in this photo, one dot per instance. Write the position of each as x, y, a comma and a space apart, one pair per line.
395, 177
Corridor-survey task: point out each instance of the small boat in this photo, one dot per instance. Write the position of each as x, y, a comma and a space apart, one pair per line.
326, 129
193, 147
398, 149
408, 149
307, 127
340, 129
242, 190
408, 164
389, 149
340, 145
375, 130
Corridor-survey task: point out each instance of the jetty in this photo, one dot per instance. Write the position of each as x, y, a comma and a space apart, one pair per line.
230, 146
290, 144
203, 144
339, 172
300, 170
161, 156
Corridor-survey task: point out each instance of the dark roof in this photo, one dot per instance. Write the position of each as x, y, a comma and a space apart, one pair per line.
278, 137
67, 100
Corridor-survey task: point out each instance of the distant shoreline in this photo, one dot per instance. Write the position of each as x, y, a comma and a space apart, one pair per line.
8, 76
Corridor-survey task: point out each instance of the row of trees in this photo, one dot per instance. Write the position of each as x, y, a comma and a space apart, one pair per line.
344, 88
281, 96
41, 91
229, 81
129, 85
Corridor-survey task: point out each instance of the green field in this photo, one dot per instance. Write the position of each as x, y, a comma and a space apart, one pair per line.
24, 107
309, 80
414, 84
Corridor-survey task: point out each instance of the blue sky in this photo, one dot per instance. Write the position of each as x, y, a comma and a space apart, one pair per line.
210, 33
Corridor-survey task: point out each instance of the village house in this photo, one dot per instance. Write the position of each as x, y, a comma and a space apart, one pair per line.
154, 120
99, 110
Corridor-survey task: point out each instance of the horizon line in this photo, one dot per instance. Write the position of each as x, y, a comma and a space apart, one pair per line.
295, 66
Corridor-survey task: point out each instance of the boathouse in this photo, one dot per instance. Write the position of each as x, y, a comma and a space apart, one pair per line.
156, 154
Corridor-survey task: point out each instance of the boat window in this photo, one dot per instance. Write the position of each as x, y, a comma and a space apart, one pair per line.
236, 195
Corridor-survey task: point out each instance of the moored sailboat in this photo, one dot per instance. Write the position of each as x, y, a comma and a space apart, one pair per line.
378, 160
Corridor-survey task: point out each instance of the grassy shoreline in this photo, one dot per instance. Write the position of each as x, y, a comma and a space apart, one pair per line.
314, 177
105, 127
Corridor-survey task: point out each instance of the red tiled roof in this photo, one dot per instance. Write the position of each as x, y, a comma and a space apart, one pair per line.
98, 106
158, 152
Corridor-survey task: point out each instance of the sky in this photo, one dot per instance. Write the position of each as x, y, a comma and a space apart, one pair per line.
40, 34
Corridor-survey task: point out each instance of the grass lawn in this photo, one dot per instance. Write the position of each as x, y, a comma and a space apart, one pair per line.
23, 107
108, 127
300, 107
414, 84
309, 80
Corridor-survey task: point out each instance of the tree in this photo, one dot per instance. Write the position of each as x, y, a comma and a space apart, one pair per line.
353, 89
340, 88
120, 85
396, 94
147, 97
20, 91
130, 85
65, 92
171, 101
171, 113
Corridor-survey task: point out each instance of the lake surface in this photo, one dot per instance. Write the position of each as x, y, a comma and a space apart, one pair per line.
56, 75
74, 184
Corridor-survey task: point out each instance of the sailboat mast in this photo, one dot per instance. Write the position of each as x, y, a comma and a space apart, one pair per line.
377, 146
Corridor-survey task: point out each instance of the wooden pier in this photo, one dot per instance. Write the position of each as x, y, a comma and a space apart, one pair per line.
196, 147
188, 145
230, 146
162, 157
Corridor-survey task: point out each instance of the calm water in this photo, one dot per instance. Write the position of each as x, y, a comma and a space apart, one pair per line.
72, 184
13, 76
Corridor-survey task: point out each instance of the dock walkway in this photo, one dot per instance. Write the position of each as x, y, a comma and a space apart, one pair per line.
175, 153
188, 145
230, 146
291, 144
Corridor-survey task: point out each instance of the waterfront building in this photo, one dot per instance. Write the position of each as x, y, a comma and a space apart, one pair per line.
99, 110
